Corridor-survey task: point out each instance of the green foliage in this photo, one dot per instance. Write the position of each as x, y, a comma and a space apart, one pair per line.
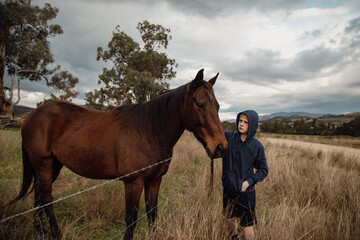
138, 73
299, 127
229, 126
28, 38
62, 81
27, 47
351, 128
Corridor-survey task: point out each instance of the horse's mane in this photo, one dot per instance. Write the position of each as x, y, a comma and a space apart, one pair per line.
152, 117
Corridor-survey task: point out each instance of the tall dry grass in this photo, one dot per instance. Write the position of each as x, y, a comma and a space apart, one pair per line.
309, 194
346, 141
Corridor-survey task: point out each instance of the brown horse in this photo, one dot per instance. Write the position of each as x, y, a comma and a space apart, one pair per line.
108, 145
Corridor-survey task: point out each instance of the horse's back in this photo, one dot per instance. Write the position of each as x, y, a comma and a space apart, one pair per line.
44, 122
50, 115
74, 136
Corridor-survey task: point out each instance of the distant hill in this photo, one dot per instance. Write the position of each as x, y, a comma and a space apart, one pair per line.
280, 115
290, 115
20, 111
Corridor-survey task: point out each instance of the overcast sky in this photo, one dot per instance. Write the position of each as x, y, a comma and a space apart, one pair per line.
272, 56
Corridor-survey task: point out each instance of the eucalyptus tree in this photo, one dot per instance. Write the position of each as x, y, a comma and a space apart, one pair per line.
25, 51
138, 73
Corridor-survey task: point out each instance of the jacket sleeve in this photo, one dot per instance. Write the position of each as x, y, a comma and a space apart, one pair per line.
261, 167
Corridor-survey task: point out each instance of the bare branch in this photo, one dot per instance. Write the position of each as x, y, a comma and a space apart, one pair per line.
25, 70
11, 92
18, 97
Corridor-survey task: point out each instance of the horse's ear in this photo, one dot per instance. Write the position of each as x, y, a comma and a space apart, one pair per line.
213, 80
197, 81
200, 75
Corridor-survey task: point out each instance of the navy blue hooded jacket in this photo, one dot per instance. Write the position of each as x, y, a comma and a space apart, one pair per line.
241, 158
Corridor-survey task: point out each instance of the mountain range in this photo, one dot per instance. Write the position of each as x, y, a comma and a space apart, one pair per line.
279, 115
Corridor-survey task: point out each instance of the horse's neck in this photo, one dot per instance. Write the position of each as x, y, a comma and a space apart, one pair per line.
172, 127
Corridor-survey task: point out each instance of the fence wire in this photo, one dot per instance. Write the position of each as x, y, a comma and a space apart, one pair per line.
94, 187
160, 225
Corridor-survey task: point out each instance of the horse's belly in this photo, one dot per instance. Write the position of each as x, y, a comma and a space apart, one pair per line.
91, 162
101, 157
94, 171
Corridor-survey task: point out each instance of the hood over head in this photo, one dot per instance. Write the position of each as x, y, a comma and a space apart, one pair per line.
253, 119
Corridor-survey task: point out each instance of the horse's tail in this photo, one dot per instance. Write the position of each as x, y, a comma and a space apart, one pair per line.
28, 177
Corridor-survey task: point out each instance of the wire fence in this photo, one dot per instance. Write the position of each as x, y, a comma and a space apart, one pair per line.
173, 212
95, 186
162, 223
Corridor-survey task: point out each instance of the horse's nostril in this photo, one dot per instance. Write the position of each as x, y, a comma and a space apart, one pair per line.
219, 149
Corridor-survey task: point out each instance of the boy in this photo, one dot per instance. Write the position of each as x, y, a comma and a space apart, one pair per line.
238, 178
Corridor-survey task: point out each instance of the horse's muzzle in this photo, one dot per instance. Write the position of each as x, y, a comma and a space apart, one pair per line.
218, 153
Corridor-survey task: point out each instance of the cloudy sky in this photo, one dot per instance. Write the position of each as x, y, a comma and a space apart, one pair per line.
272, 56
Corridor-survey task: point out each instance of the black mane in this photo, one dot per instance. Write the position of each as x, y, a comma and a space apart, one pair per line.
151, 117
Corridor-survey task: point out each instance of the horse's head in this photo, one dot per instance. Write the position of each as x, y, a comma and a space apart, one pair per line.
200, 115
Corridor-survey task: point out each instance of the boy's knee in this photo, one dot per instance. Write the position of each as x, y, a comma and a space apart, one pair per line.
233, 226
249, 233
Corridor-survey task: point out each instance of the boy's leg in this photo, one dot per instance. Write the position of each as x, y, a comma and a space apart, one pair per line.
233, 226
232, 222
249, 233
248, 216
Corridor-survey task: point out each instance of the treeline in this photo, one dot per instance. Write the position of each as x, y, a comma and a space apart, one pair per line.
351, 128
313, 127
228, 126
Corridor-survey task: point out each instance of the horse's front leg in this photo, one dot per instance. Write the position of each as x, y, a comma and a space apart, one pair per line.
133, 192
152, 187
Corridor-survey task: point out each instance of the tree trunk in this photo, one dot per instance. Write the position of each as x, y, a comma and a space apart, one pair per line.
4, 103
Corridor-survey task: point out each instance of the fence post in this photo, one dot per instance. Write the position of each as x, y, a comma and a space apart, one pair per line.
211, 177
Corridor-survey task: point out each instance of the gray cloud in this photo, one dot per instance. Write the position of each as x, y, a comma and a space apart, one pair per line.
264, 66
214, 8
331, 103
351, 36
317, 59
311, 34
258, 66
32, 86
354, 25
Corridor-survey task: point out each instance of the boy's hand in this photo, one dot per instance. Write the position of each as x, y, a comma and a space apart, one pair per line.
245, 185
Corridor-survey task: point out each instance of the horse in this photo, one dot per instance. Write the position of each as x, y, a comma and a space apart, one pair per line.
114, 143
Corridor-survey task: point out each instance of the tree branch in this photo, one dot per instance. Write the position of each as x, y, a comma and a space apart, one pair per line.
19, 97
24, 70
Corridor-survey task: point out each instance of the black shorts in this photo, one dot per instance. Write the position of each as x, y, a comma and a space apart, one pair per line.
242, 206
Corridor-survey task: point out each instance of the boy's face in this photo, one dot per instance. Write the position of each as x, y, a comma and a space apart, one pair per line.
243, 124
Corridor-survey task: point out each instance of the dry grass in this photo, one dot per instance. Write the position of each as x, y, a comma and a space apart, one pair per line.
307, 196
345, 141
310, 193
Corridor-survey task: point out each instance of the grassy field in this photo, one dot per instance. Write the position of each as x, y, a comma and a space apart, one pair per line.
308, 194
345, 141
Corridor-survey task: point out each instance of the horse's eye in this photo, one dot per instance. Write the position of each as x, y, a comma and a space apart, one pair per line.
200, 105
